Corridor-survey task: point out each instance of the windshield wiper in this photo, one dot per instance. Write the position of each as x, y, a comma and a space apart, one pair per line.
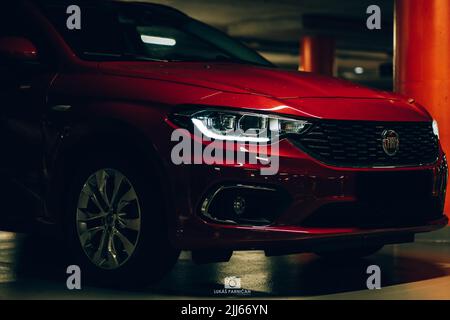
218, 58
223, 58
122, 56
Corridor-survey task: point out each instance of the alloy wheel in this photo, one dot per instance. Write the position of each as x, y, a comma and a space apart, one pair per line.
108, 219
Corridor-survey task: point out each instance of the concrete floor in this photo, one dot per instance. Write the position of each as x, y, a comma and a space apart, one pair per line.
30, 269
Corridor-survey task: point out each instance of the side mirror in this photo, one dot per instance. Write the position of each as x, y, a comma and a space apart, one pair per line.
18, 49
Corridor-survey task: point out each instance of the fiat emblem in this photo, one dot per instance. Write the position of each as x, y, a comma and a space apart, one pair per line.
390, 142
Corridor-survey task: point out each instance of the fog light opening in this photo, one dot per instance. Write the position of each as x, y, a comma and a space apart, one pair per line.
244, 204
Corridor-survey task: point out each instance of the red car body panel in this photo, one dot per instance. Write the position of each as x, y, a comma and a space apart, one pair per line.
146, 98
143, 95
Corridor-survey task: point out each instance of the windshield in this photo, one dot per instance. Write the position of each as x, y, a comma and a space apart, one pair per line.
135, 31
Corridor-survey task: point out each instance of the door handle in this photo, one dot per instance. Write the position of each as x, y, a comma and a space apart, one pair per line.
24, 87
61, 108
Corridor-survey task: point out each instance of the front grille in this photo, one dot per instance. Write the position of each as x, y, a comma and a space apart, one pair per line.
359, 143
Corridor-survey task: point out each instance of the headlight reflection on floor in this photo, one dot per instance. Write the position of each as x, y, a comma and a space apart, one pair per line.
7, 247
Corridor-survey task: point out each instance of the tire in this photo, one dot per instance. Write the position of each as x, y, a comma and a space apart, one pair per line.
123, 243
352, 253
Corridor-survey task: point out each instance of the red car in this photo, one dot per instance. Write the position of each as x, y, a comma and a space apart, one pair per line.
92, 96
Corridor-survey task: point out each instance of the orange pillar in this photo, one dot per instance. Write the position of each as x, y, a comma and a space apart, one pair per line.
317, 54
422, 59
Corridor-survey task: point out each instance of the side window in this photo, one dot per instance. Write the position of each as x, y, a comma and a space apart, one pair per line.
100, 30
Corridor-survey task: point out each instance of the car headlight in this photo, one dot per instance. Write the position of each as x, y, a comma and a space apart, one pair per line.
243, 126
436, 128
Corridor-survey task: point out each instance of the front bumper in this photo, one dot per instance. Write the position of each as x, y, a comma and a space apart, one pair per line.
310, 186
284, 240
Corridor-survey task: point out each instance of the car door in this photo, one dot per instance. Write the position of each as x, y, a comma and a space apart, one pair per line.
24, 85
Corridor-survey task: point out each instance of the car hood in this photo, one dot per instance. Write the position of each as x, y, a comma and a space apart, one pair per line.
248, 79
288, 92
